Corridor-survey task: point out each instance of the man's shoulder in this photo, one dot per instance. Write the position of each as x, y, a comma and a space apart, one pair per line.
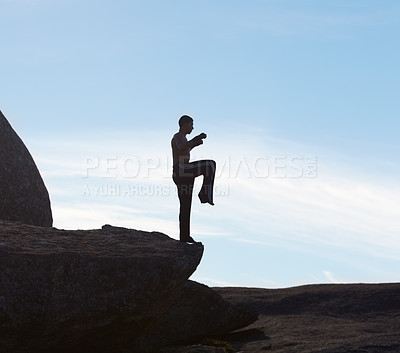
179, 136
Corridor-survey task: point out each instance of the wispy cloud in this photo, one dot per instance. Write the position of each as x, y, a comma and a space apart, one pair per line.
212, 282
93, 215
335, 209
331, 277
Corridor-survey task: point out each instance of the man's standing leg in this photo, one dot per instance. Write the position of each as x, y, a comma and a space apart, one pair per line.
185, 191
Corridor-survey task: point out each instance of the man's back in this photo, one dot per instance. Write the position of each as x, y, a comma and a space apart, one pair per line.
180, 149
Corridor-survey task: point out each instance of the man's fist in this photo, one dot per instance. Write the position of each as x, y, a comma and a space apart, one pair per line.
202, 135
197, 142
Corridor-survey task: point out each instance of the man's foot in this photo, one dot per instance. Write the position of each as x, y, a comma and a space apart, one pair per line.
204, 199
188, 239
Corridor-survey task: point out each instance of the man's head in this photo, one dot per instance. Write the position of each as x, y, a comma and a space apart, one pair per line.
186, 124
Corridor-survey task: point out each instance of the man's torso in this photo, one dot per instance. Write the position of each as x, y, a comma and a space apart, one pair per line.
179, 155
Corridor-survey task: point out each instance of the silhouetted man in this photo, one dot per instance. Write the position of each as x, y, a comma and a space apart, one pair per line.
184, 173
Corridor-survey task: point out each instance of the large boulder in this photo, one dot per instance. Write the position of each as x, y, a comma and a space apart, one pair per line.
199, 312
86, 290
23, 195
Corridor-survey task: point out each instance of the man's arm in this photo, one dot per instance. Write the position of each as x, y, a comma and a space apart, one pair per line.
197, 140
182, 144
199, 137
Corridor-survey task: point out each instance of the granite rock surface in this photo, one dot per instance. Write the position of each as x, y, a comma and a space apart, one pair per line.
86, 290
23, 194
198, 312
325, 318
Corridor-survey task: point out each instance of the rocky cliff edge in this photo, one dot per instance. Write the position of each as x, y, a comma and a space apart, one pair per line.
86, 290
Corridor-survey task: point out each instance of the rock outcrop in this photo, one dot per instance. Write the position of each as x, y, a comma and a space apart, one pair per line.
197, 348
199, 312
80, 291
23, 195
325, 318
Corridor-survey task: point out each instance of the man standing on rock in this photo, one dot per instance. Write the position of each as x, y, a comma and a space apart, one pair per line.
184, 173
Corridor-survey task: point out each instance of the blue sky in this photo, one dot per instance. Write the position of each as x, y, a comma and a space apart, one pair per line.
300, 101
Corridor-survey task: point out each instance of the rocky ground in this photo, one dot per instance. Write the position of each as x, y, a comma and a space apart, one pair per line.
118, 290
356, 318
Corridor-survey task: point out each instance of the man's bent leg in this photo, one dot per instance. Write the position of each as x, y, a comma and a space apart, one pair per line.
207, 169
207, 190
